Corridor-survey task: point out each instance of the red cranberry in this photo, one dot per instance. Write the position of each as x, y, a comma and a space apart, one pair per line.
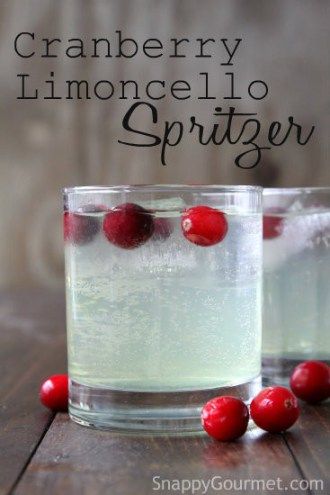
79, 228
203, 225
128, 226
54, 393
225, 418
274, 409
272, 223
310, 381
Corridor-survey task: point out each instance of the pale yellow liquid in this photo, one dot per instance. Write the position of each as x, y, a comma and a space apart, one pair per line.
296, 321
168, 315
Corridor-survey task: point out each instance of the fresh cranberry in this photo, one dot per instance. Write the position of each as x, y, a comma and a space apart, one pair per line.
162, 229
225, 418
79, 228
54, 393
274, 409
128, 226
272, 223
310, 381
203, 225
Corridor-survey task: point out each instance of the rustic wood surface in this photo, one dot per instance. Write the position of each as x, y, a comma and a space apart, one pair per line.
46, 145
32, 346
42, 453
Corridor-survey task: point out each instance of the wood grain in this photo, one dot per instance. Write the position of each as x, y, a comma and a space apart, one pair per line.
310, 443
73, 459
32, 346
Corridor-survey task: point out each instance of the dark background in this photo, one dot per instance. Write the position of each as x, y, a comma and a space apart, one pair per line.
46, 145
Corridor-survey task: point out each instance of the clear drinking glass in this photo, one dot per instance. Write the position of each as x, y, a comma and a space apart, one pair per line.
156, 323
296, 250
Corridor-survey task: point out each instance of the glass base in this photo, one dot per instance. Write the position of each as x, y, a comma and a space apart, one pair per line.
277, 370
144, 412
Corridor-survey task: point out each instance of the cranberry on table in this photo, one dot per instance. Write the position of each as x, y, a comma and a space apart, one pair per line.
203, 225
54, 393
310, 381
225, 418
79, 228
274, 409
128, 226
272, 223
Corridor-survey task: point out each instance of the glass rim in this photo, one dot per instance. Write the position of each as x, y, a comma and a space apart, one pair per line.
140, 188
294, 190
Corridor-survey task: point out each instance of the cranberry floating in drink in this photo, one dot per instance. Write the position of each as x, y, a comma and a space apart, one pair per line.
128, 226
79, 227
163, 304
273, 223
203, 225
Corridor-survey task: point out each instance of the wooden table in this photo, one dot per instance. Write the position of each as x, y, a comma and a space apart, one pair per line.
42, 453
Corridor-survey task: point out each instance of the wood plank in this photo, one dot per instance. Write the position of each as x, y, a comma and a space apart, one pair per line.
32, 346
310, 442
73, 459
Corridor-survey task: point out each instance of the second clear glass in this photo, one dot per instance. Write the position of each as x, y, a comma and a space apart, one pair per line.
296, 309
